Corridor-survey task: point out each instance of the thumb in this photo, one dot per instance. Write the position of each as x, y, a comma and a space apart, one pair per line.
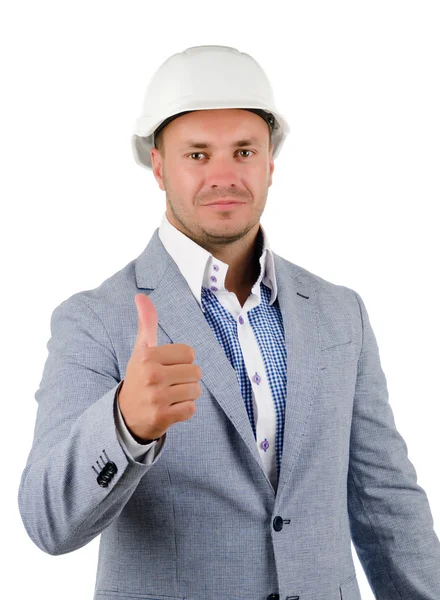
147, 321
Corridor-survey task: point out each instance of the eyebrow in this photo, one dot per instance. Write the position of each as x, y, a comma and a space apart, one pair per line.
239, 143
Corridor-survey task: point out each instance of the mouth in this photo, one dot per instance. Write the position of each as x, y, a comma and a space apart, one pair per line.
225, 203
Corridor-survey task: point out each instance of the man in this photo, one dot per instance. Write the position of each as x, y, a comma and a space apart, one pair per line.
217, 413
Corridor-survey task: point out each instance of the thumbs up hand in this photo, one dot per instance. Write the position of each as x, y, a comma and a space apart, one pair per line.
161, 382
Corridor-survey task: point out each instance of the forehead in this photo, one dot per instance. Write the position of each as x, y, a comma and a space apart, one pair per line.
207, 126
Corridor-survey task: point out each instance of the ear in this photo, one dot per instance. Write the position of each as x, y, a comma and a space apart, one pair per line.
271, 164
157, 165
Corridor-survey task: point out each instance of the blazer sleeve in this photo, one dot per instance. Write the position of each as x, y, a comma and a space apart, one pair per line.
62, 504
390, 518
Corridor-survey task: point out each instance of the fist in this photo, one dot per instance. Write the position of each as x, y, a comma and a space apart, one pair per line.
161, 383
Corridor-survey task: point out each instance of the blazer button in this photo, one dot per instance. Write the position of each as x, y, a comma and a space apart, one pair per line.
107, 474
273, 597
103, 480
278, 523
110, 467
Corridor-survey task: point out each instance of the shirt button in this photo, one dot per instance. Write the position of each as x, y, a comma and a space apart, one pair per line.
214, 289
241, 320
256, 378
215, 267
213, 278
264, 444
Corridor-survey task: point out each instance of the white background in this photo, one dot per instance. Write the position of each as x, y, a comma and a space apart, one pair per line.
354, 197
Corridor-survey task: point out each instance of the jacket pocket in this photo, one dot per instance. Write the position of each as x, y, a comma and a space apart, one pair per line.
349, 589
336, 355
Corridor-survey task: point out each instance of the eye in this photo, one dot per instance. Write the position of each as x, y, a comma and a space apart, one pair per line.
245, 151
202, 153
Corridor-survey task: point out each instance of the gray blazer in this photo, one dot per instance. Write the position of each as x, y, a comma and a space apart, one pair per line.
203, 521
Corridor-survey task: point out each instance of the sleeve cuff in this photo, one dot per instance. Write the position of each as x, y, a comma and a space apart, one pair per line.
144, 453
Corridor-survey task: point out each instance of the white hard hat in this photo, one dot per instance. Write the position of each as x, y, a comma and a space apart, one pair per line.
205, 78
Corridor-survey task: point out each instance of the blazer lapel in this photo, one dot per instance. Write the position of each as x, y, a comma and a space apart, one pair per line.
181, 318
299, 311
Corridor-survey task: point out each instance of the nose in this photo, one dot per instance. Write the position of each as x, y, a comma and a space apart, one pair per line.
222, 172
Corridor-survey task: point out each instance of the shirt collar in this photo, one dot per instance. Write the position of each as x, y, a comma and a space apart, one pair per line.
198, 266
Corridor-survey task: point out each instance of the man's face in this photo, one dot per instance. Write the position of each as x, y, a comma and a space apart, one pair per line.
193, 177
